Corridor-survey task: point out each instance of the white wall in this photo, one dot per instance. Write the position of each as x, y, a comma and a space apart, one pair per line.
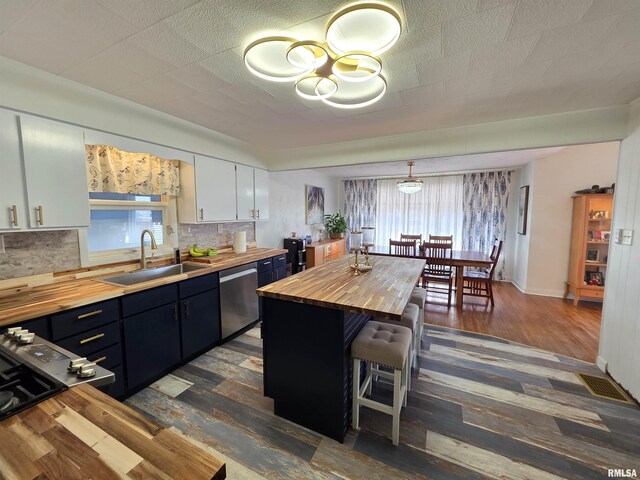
30, 90
287, 205
521, 244
620, 332
555, 178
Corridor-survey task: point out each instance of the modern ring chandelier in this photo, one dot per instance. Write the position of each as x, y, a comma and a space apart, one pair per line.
343, 72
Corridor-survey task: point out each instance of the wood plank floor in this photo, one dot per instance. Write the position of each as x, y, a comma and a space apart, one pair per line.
480, 408
544, 322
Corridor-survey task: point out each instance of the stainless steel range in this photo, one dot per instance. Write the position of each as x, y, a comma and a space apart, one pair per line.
33, 369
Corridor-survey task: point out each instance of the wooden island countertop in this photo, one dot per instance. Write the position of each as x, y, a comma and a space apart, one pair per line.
383, 292
83, 433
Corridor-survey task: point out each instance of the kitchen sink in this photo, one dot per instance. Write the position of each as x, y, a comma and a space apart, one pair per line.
140, 276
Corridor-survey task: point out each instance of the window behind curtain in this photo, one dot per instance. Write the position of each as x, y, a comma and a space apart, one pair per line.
435, 210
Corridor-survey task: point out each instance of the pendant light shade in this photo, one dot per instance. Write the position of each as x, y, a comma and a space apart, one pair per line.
410, 184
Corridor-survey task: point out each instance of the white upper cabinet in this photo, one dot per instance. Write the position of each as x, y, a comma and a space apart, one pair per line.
261, 193
13, 204
244, 192
55, 173
213, 190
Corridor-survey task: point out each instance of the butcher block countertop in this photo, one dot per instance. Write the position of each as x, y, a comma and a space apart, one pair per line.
21, 300
384, 291
83, 433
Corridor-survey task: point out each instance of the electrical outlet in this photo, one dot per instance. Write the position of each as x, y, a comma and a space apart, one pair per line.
626, 236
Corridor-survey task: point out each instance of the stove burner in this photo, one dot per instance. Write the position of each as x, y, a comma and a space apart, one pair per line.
6, 401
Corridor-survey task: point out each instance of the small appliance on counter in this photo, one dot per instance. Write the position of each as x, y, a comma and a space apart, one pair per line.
32, 370
296, 254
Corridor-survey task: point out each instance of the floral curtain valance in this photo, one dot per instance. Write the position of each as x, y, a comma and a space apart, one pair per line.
116, 171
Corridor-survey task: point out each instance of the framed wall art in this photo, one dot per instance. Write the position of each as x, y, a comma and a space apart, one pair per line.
314, 205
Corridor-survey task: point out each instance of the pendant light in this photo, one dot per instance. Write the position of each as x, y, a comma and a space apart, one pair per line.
410, 184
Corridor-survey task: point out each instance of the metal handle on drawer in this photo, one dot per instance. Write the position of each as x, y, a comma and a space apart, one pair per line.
39, 216
90, 314
281, 258
266, 263
14, 215
91, 339
101, 359
202, 214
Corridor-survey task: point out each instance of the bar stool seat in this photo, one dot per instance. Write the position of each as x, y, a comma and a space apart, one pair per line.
409, 319
387, 345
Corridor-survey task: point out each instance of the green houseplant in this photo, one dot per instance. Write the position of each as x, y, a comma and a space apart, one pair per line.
336, 225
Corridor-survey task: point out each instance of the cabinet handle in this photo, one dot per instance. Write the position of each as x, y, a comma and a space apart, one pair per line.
185, 308
14, 215
39, 216
266, 263
91, 339
281, 258
202, 214
175, 312
101, 359
90, 314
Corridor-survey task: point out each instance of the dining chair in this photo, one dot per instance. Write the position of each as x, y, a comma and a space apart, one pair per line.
438, 268
441, 239
402, 247
415, 238
480, 283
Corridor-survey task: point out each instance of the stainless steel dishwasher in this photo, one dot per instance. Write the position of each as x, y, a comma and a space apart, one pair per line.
238, 298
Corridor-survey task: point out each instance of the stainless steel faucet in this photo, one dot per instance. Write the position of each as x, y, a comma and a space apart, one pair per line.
154, 246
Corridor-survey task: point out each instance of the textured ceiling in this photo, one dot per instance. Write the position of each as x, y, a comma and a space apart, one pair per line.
457, 62
426, 166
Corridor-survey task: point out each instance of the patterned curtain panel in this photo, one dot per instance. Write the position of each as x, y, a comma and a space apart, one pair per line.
360, 203
116, 171
486, 198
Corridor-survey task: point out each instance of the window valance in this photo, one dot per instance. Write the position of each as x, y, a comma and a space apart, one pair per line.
112, 170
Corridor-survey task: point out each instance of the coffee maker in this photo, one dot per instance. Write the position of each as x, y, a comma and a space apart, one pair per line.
296, 254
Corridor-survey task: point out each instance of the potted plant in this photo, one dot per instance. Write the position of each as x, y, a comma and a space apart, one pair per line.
336, 225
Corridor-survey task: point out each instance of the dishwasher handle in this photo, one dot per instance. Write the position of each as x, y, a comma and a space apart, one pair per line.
233, 276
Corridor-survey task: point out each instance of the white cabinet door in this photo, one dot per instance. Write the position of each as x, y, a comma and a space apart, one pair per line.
244, 192
215, 182
55, 172
13, 205
261, 188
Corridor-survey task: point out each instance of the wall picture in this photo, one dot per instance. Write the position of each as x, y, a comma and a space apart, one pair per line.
314, 205
523, 207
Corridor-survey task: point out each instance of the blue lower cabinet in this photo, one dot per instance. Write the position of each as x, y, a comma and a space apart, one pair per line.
279, 273
117, 388
200, 322
152, 344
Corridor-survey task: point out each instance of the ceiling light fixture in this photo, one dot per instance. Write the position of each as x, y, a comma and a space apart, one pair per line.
410, 184
344, 72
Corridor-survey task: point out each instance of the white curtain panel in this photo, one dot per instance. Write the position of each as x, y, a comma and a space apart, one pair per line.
434, 210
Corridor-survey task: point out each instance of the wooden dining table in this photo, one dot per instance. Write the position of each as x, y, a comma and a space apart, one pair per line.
459, 259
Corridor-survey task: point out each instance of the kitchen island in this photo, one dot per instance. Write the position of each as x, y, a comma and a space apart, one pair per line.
83, 433
309, 322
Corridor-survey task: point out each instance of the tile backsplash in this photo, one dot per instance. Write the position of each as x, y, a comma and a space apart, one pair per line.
32, 253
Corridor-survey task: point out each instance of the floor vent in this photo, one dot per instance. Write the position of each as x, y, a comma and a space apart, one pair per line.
603, 387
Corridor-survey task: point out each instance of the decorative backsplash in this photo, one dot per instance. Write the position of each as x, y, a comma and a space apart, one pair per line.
33, 253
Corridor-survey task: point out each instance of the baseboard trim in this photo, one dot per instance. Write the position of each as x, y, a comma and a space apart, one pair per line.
601, 363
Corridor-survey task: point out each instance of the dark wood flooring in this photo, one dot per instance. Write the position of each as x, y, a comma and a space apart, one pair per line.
480, 408
544, 322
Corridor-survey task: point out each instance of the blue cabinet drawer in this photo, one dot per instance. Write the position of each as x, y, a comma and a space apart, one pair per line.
92, 341
193, 286
83, 319
265, 265
108, 358
280, 261
148, 299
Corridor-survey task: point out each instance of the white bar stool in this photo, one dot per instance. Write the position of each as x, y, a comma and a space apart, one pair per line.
386, 345
410, 317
